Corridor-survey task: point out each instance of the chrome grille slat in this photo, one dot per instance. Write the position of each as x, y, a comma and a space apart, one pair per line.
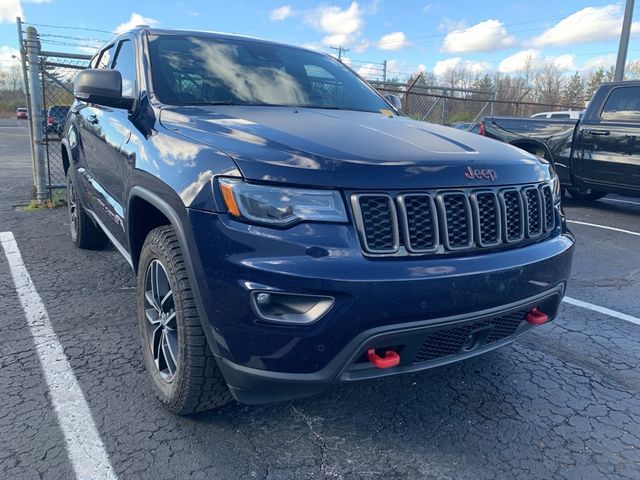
512, 213
486, 218
421, 233
377, 222
549, 211
411, 223
534, 211
455, 220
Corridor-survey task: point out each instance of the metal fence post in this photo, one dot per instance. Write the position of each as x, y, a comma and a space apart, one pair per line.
25, 86
33, 49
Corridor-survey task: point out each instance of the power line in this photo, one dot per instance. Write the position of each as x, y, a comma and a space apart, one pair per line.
68, 27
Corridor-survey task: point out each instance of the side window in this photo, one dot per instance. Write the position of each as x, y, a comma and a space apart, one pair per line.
105, 57
560, 115
623, 105
125, 63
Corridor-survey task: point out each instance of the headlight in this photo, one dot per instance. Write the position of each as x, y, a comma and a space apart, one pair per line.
281, 206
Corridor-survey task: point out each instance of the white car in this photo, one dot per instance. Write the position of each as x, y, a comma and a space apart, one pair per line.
568, 114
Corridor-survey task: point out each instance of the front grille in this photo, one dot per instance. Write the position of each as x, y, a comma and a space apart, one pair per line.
421, 217
452, 341
452, 221
457, 217
376, 218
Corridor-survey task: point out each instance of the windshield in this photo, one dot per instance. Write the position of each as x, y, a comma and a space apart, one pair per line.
199, 70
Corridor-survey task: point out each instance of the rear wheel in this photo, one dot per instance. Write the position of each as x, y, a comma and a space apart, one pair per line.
586, 194
84, 233
184, 373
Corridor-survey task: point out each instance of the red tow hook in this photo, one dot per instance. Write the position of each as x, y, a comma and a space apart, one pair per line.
536, 317
390, 359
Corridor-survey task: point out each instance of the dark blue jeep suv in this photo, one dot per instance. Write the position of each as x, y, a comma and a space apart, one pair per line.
290, 228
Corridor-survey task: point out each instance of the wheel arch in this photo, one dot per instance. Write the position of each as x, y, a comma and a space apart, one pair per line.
66, 155
172, 218
533, 146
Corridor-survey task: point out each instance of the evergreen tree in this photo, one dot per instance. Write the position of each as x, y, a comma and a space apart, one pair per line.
573, 92
597, 77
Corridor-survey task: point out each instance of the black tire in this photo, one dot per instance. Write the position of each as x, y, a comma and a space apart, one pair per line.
586, 194
84, 233
187, 380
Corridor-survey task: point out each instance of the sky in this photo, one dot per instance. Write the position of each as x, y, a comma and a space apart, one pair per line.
411, 35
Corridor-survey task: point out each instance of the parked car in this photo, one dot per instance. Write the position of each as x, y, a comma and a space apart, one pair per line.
468, 126
54, 119
575, 114
22, 113
289, 229
595, 155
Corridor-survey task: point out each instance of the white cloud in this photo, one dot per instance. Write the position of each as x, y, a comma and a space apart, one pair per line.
591, 24
5, 56
393, 41
193, 13
135, 20
340, 26
370, 71
427, 8
519, 60
37, 1
443, 66
564, 62
600, 61
533, 60
280, 13
312, 46
9, 10
485, 36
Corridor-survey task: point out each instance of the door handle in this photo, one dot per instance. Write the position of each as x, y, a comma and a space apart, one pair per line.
93, 119
597, 132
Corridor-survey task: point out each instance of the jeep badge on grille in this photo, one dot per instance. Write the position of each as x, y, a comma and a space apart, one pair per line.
479, 174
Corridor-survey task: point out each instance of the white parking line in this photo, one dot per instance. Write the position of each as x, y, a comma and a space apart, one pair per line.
605, 227
598, 308
84, 446
618, 200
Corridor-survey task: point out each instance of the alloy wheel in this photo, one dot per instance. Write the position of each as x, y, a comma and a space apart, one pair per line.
72, 208
160, 313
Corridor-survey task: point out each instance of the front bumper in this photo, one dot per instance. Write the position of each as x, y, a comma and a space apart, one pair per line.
420, 345
379, 302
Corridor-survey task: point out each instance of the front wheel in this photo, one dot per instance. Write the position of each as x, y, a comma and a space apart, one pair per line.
586, 194
184, 373
84, 233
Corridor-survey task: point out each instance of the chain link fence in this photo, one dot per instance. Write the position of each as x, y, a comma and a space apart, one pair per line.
57, 73
463, 108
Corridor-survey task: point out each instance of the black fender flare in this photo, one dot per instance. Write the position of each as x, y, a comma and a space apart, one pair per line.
174, 219
520, 142
64, 145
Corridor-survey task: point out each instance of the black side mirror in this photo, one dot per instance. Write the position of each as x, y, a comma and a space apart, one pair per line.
101, 86
394, 100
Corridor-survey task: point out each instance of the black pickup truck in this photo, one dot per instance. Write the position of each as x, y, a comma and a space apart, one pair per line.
593, 156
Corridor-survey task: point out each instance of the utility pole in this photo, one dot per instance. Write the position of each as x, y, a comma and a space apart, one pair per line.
340, 51
624, 42
384, 71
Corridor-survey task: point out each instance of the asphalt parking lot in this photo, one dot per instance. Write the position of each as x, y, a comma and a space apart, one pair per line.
562, 402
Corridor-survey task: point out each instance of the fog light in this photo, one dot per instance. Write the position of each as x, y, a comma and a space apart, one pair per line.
263, 298
291, 308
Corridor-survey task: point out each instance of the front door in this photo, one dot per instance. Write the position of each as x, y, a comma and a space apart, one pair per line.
610, 144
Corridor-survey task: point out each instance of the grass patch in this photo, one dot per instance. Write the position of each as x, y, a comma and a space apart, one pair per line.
57, 200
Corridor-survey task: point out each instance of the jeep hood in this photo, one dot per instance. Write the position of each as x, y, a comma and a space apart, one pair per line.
350, 149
